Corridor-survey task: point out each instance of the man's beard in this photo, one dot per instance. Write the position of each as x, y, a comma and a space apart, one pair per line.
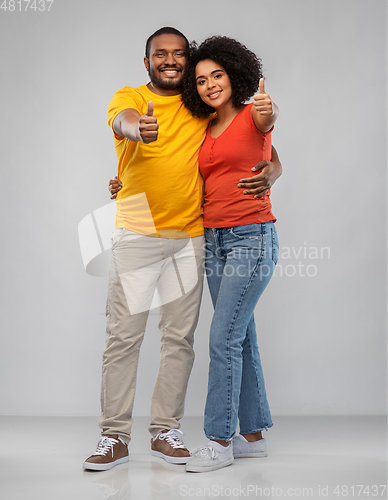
168, 84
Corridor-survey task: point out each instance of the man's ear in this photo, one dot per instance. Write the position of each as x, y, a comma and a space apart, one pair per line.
146, 63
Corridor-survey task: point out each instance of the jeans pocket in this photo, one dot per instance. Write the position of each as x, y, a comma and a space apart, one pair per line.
275, 245
250, 232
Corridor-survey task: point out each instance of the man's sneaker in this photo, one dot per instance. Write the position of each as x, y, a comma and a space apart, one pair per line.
111, 451
169, 446
244, 449
211, 457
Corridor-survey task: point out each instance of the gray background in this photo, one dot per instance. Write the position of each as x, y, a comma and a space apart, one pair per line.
322, 338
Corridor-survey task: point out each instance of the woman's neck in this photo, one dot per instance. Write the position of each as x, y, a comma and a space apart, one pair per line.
225, 116
227, 113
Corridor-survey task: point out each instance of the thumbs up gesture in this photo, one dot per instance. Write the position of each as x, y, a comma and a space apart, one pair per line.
148, 125
262, 101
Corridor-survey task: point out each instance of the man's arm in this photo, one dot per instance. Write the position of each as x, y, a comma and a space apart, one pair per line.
261, 183
130, 124
258, 185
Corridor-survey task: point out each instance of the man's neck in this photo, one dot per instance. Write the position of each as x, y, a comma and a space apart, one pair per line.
166, 92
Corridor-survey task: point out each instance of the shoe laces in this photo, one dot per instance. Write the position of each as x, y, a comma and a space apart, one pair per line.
173, 438
205, 452
104, 445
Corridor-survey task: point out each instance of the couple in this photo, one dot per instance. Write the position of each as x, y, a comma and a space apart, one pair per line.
158, 241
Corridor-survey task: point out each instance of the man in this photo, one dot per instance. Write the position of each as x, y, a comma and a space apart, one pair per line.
157, 243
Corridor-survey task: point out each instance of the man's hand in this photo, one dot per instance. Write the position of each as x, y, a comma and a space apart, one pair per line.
262, 101
148, 125
114, 187
260, 184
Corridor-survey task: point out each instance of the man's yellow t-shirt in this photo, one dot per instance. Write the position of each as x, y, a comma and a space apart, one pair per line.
162, 192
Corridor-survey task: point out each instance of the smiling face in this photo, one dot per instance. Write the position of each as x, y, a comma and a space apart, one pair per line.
213, 84
166, 63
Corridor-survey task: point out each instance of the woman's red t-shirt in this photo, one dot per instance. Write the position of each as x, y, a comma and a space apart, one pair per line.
223, 162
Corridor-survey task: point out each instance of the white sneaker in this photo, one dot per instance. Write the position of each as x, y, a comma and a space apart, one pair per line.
244, 449
211, 457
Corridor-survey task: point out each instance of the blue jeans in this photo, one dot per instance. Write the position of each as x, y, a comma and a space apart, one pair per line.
240, 262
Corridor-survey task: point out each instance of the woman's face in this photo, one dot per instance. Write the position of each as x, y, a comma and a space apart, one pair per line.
213, 84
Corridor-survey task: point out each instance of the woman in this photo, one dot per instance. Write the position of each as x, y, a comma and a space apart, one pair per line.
241, 244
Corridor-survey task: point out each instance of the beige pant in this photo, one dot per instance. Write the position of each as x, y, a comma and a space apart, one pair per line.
139, 266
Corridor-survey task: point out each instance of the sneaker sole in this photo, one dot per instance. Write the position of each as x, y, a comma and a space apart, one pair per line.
92, 466
170, 460
193, 468
251, 455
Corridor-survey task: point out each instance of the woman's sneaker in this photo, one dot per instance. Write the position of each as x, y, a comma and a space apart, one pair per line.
211, 457
244, 449
169, 446
111, 451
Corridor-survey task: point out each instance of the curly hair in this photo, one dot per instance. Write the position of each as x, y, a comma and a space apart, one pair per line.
242, 66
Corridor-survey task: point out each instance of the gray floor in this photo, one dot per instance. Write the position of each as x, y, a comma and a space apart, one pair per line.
309, 457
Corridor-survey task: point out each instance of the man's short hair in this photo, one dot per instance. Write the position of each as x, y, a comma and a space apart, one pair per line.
163, 31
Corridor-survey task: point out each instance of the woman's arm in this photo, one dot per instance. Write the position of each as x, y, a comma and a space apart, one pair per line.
264, 111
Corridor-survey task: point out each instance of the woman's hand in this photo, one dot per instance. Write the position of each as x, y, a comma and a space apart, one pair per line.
260, 184
114, 187
264, 111
263, 102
